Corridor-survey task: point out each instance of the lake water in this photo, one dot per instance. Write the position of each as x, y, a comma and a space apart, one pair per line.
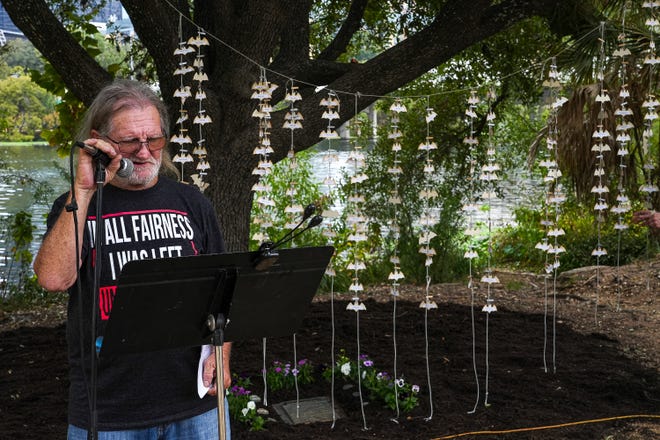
38, 162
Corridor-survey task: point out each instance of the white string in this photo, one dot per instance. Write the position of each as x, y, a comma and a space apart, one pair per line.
295, 376
546, 263
470, 208
358, 226
332, 350
396, 273
474, 343
359, 370
554, 289
648, 187
396, 388
623, 139
554, 326
545, 318
429, 218
263, 371
648, 259
490, 174
426, 348
600, 200
556, 198
486, 404
180, 138
329, 234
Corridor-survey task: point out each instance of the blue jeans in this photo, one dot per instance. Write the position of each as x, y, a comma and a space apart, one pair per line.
201, 427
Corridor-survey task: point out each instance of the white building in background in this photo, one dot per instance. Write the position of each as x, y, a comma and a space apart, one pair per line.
8, 30
113, 18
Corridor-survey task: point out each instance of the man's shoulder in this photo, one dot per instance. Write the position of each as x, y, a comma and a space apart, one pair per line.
175, 185
186, 190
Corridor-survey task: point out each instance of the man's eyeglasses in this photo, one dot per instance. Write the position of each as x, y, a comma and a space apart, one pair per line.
131, 146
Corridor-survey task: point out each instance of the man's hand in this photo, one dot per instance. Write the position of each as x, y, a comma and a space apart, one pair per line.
648, 218
208, 373
85, 173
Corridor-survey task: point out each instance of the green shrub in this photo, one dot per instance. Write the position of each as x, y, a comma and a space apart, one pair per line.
514, 246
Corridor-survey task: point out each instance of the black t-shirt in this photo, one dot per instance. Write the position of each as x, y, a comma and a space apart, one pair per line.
170, 219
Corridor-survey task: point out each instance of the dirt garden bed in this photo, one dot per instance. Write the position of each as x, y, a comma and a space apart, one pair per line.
607, 362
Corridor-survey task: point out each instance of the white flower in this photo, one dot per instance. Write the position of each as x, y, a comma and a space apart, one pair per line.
244, 411
251, 405
415, 388
400, 383
346, 368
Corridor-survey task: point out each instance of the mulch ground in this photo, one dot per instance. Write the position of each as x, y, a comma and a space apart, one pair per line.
607, 363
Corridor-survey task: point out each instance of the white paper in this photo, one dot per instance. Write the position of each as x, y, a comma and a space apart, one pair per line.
206, 352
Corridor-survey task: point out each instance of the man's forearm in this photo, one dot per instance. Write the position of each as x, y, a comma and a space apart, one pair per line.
57, 262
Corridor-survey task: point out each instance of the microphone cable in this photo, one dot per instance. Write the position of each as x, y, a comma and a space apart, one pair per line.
95, 347
90, 385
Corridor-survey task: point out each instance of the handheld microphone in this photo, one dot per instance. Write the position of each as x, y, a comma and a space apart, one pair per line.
125, 166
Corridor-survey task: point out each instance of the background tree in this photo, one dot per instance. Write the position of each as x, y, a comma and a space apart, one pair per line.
21, 53
25, 109
278, 35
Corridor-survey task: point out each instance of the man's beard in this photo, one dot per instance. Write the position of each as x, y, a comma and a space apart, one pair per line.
143, 180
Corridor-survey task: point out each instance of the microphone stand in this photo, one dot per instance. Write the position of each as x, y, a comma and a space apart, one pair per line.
216, 325
99, 178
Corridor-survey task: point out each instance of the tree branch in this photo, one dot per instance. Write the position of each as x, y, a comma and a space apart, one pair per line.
454, 29
346, 32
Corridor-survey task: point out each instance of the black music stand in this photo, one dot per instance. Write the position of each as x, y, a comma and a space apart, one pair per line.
208, 299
